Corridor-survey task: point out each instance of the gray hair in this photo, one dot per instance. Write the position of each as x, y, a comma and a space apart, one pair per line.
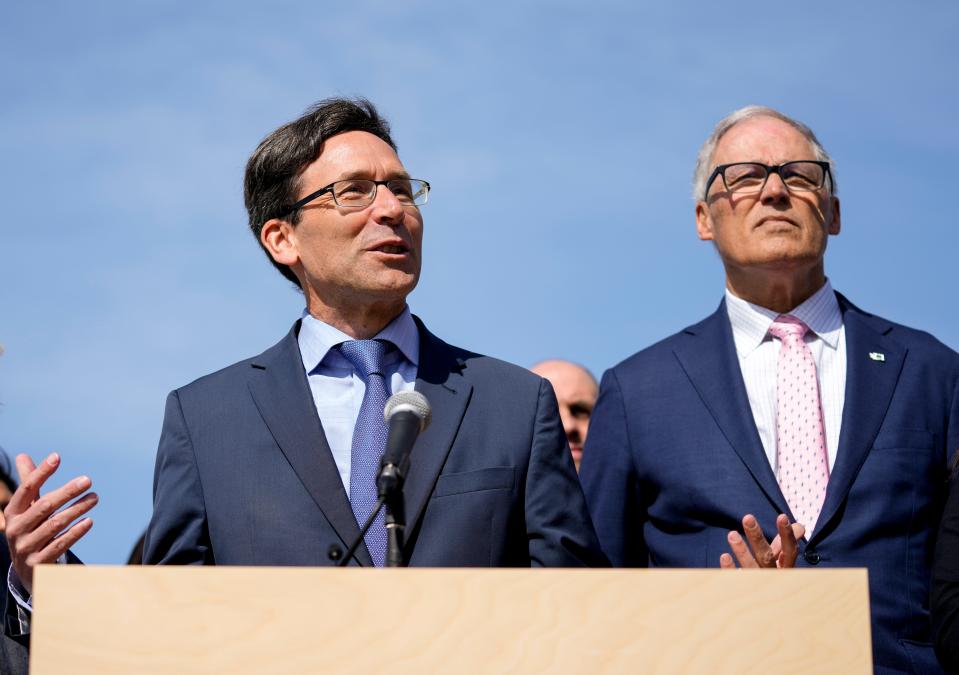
705, 158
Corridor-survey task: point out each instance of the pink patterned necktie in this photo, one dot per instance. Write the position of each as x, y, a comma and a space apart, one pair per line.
800, 435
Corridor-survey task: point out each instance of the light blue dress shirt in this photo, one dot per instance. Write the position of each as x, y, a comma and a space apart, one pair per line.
338, 389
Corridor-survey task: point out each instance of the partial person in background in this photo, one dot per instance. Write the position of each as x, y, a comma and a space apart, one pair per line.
789, 403
14, 654
945, 581
136, 555
7, 483
576, 391
38, 528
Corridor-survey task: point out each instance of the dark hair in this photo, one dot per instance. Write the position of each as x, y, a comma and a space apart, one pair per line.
273, 171
136, 555
7, 471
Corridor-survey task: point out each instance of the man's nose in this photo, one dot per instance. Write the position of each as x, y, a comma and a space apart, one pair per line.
386, 205
774, 190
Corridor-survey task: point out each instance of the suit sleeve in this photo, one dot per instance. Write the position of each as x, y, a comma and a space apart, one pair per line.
944, 603
178, 532
945, 585
558, 526
610, 481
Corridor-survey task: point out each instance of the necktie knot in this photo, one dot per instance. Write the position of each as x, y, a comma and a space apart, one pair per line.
367, 356
786, 326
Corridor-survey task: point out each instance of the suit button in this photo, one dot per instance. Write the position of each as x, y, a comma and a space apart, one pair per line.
334, 553
812, 557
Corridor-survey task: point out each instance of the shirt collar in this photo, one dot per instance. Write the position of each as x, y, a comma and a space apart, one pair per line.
317, 338
750, 323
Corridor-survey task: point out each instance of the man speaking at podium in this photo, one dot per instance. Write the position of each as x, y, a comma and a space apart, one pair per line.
273, 460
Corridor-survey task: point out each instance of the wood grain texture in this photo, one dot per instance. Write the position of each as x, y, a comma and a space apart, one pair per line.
187, 620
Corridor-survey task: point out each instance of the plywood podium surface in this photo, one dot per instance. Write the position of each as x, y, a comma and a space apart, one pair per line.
187, 620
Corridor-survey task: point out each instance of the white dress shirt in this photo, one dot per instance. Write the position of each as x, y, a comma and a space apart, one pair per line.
758, 354
338, 389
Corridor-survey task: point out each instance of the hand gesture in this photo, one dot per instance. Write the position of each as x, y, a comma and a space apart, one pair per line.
37, 530
779, 553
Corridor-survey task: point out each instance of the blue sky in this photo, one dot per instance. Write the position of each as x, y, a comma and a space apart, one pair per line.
127, 269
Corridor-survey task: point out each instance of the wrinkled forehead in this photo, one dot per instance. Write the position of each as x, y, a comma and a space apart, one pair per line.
352, 154
762, 139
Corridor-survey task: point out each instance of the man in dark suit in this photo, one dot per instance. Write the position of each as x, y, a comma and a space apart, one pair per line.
788, 403
272, 461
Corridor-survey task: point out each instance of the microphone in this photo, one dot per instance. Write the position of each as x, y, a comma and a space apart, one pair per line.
407, 415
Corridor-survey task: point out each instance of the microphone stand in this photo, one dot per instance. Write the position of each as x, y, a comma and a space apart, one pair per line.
390, 487
345, 560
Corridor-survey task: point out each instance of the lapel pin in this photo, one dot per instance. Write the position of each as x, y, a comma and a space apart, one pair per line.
877, 356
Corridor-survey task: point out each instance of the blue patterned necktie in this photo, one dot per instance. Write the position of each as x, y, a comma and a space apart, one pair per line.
369, 439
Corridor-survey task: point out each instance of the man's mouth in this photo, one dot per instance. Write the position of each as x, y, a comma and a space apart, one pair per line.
775, 220
392, 248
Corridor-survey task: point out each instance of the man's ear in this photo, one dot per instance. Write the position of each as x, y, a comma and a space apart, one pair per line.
279, 239
836, 223
704, 222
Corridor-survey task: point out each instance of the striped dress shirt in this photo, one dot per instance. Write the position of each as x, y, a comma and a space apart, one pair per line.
758, 353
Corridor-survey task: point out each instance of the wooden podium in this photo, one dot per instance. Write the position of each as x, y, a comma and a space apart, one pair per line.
186, 620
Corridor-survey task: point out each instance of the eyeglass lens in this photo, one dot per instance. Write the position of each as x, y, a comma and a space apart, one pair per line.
802, 176
362, 192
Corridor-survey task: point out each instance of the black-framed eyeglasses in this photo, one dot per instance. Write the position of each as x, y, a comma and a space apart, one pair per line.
750, 177
356, 193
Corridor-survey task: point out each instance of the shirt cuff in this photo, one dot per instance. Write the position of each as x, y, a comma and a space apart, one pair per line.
24, 608
23, 599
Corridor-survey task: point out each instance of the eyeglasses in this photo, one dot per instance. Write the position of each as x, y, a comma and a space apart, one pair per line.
356, 193
751, 177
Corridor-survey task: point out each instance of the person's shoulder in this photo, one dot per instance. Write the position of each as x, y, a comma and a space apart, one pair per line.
661, 354
915, 340
225, 379
437, 354
476, 366
492, 369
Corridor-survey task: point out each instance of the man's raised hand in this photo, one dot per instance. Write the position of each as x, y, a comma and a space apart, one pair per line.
41, 528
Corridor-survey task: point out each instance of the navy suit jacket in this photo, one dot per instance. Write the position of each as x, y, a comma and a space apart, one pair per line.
674, 461
244, 474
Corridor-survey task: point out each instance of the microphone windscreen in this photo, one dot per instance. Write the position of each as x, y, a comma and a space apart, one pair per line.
409, 401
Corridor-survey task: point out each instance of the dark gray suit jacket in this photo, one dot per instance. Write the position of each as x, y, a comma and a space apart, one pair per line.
244, 474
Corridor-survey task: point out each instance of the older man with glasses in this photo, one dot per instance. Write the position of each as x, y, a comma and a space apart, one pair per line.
790, 427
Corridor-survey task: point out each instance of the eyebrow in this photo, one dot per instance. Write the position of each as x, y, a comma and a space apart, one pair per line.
364, 175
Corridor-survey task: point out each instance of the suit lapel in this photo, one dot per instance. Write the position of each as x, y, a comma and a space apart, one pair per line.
282, 394
709, 359
870, 384
438, 378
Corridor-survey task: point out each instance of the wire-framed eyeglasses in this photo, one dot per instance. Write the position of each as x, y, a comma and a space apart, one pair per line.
356, 193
